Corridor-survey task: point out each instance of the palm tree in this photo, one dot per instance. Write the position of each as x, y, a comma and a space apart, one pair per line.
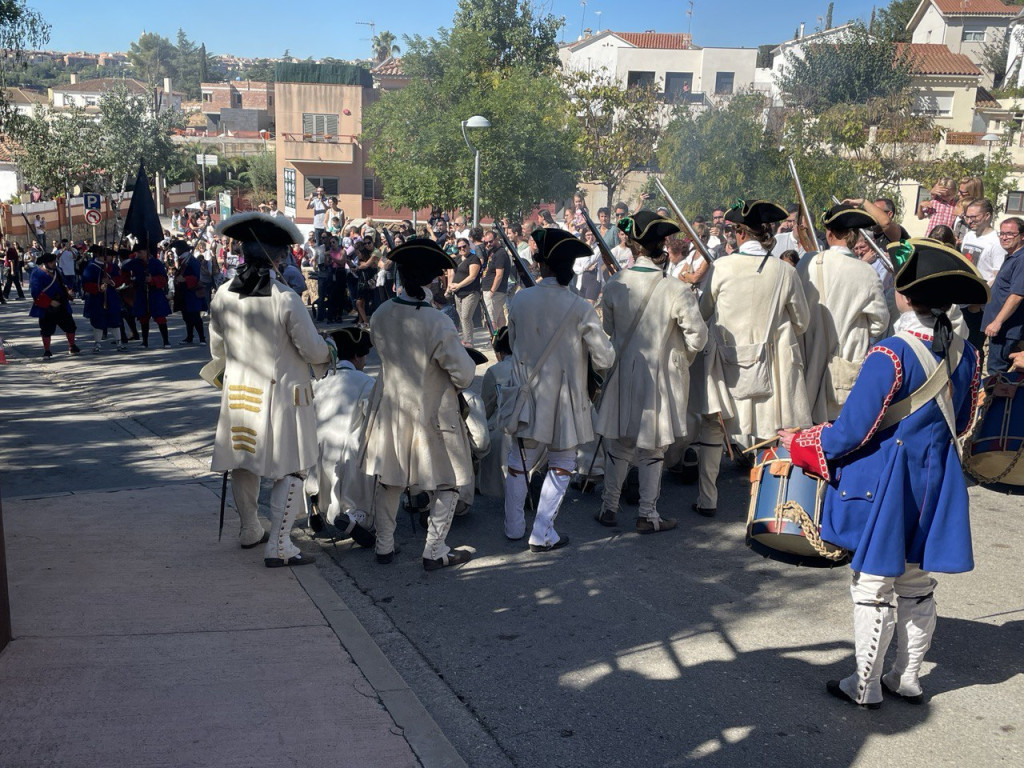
384, 46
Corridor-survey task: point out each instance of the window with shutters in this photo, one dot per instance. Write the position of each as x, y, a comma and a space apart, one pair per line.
311, 183
1015, 202
289, 188
319, 127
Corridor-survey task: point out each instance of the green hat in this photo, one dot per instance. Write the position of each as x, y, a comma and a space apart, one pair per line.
755, 213
932, 274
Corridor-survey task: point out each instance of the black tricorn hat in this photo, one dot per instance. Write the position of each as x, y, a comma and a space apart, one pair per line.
256, 227
179, 247
755, 213
479, 358
934, 275
557, 245
46, 257
352, 342
501, 342
97, 250
425, 254
648, 228
844, 217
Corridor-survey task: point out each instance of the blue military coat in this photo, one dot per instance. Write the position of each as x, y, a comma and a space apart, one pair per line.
150, 298
102, 305
45, 287
898, 495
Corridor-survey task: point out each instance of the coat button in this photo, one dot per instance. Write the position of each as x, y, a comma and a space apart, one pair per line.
899, 442
842, 493
868, 494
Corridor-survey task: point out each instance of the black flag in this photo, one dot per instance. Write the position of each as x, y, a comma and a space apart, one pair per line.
142, 220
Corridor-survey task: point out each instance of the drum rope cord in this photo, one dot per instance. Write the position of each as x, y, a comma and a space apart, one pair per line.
794, 512
1004, 435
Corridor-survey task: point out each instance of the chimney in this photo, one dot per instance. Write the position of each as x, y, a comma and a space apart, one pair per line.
167, 86
74, 78
801, 35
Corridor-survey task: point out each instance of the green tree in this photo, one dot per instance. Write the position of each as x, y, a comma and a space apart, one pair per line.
828, 15
710, 157
260, 176
994, 171
261, 70
152, 58
891, 21
384, 46
414, 135
514, 31
55, 150
20, 28
994, 57
192, 66
617, 129
851, 71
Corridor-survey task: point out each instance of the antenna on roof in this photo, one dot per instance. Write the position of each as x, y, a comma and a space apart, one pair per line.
372, 27
689, 17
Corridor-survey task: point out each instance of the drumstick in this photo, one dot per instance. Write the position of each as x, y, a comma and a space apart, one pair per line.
762, 444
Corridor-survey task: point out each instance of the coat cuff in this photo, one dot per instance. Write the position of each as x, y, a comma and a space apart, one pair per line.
159, 282
807, 453
191, 282
91, 288
43, 300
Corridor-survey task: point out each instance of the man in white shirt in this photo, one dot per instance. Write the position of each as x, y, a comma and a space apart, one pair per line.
66, 256
981, 245
318, 204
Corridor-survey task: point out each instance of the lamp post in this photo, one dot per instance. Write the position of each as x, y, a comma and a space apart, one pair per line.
989, 138
476, 121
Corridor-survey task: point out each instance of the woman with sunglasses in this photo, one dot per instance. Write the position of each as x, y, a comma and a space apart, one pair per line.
464, 284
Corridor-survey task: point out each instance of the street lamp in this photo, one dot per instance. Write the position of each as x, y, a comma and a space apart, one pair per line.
989, 138
476, 121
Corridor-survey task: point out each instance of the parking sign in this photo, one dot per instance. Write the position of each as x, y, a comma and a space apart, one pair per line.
91, 200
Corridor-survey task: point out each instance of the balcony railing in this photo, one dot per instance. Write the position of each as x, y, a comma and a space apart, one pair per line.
319, 138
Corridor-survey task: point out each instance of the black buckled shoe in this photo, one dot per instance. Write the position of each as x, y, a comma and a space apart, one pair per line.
704, 511
386, 558
832, 686
264, 540
607, 518
454, 557
299, 559
562, 542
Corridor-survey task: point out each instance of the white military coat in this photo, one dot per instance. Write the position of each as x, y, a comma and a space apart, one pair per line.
342, 402
559, 408
422, 359
739, 297
267, 423
491, 475
645, 399
853, 313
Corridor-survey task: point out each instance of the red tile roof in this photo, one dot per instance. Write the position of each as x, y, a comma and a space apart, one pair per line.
390, 67
937, 59
985, 99
975, 8
678, 41
102, 85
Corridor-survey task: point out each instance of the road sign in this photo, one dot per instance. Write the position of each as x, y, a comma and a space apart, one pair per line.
92, 217
91, 201
206, 160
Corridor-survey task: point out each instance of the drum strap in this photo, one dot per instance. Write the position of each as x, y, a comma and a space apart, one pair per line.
935, 387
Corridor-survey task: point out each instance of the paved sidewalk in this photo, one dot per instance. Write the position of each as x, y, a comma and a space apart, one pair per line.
139, 640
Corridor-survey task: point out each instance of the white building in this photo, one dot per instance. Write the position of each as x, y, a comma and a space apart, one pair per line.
682, 71
88, 93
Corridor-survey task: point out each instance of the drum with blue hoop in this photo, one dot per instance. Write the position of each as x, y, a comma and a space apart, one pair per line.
995, 451
784, 519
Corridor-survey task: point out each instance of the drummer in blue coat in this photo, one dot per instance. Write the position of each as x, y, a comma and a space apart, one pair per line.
51, 299
149, 277
101, 278
897, 497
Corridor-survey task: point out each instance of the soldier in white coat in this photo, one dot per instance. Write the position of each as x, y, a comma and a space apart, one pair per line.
551, 333
848, 312
262, 334
757, 311
656, 328
415, 435
341, 493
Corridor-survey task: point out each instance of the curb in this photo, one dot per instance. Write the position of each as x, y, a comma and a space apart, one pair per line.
419, 729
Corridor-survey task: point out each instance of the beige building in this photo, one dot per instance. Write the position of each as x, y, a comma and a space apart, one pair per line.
319, 110
964, 26
945, 83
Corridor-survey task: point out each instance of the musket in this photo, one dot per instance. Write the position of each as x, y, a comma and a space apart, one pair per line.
699, 244
804, 209
870, 240
487, 317
526, 279
388, 238
606, 255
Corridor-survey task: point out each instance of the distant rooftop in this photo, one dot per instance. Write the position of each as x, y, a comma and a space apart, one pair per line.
937, 59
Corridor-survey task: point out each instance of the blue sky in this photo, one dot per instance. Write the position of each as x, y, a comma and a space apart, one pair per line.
268, 27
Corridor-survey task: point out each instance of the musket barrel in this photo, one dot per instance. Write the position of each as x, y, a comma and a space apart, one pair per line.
699, 244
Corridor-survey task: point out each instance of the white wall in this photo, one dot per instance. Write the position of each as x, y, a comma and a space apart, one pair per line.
931, 28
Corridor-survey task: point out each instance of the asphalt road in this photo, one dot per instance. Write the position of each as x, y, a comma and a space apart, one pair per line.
682, 648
